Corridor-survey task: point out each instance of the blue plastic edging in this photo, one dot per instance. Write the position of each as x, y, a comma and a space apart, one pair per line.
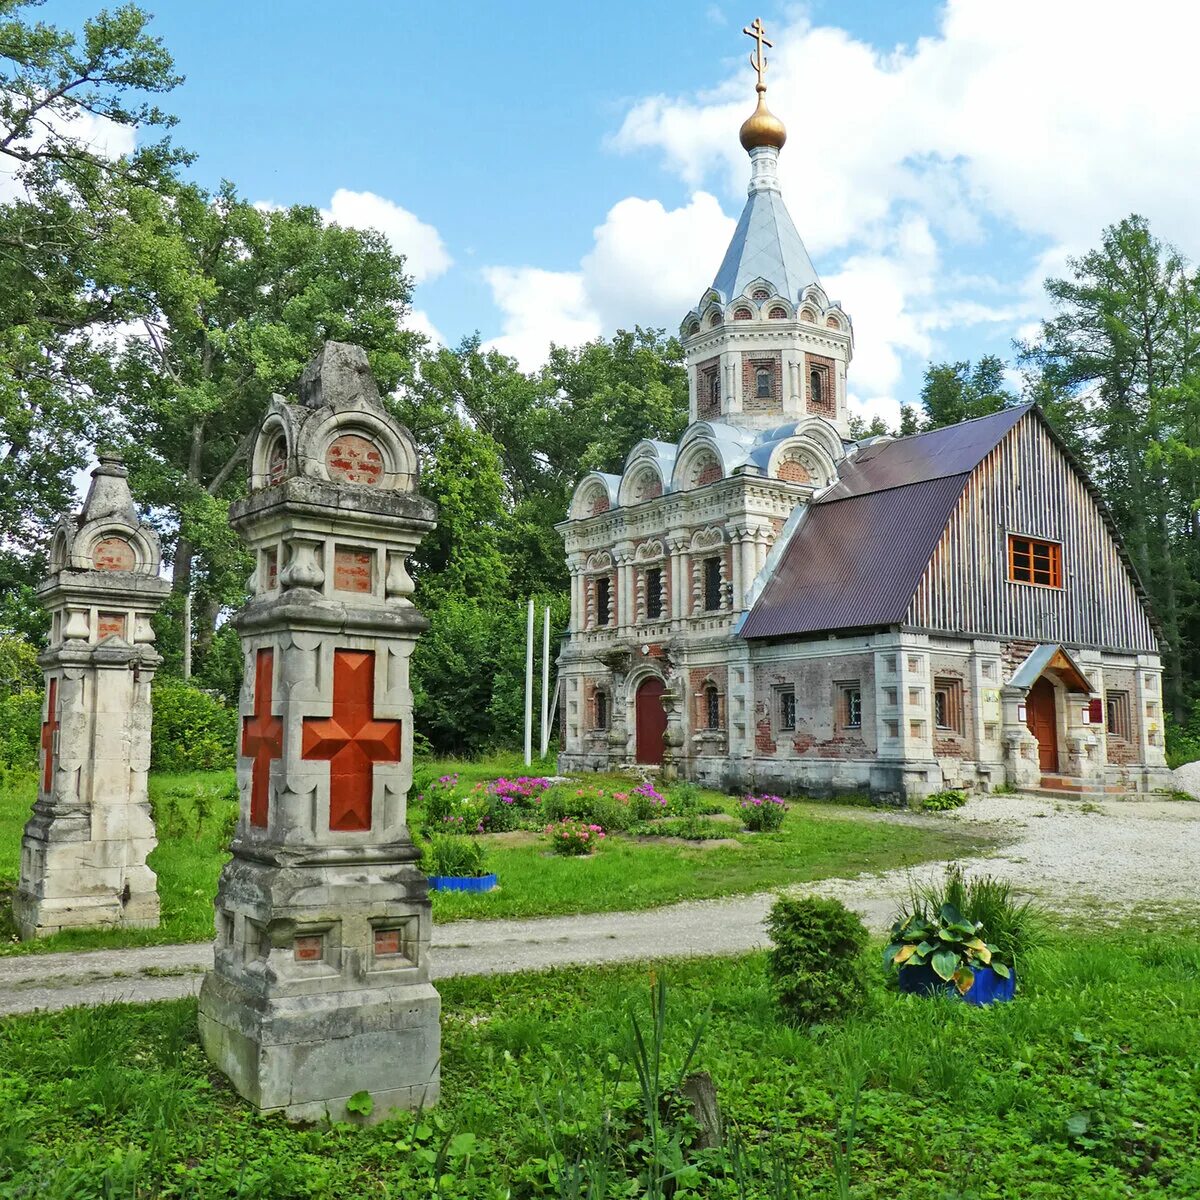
462, 883
988, 987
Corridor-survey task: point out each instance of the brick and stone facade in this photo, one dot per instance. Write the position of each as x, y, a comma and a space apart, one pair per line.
320, 987
900, 703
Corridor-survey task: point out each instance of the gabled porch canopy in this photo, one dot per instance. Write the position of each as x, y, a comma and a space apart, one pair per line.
1051, 657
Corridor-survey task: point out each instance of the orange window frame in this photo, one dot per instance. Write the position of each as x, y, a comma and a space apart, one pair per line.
1034, 561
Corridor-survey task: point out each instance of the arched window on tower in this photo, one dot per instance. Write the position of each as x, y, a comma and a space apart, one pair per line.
762, 383
714, 389
815, 385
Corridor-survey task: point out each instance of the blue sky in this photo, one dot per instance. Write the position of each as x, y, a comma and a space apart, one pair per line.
559, 170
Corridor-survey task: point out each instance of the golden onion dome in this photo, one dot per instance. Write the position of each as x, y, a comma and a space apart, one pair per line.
763, 127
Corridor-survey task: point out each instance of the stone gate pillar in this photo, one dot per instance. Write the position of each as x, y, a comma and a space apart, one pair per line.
83, 855
320, 987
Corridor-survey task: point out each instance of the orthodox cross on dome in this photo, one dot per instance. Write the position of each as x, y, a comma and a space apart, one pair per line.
351, 740
757, 60
49, 729
262, 736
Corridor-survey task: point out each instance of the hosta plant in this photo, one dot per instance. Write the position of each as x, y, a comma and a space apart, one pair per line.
946, 942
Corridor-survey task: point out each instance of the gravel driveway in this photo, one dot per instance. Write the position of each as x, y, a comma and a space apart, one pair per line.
1101, 862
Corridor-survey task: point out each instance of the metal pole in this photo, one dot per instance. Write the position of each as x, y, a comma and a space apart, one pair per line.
553, 709
545, 740
529, 686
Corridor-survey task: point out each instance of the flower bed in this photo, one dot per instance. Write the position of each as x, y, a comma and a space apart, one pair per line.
763, 814
569, 837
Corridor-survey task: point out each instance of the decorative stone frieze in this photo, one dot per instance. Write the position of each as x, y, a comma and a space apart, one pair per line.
83, 854
320, 987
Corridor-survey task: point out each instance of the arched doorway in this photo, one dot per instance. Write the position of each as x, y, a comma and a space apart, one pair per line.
1041, 715
650, 720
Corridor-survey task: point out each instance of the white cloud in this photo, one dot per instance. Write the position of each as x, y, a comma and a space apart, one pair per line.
419, 321
539, 307
1029, 118
98, 134
1031, 111
424, 252
648, 265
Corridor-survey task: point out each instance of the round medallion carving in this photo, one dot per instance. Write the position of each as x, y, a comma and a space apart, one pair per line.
113, 554
352, 458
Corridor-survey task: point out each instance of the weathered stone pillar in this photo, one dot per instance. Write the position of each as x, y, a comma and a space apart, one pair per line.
83, 856
320, 987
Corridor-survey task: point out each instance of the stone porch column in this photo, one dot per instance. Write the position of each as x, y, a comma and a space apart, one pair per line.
320, 984
83, 853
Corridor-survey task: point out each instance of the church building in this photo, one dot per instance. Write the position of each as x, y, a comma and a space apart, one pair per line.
772, 604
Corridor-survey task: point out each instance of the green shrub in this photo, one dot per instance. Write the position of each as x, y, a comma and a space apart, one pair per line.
447, 854
20, 729
193, 731
694, 828
1014, 926
815, 958
944, 801
1183, 741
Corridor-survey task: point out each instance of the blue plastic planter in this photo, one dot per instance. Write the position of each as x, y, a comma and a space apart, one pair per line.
987, 988
462, 883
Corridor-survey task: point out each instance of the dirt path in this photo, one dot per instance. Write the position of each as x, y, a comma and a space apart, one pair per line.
1099, 862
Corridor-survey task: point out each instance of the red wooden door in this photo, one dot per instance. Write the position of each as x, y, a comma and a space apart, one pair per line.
1042, 720
651, 721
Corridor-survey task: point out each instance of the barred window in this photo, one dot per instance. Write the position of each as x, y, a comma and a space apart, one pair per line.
787, 708
849, 705
654, 593
712, 584
603, 600
712, 707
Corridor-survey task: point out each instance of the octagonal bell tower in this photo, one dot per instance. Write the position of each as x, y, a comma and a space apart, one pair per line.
765, 345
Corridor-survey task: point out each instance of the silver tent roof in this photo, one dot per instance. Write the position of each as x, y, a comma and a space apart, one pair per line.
766, 246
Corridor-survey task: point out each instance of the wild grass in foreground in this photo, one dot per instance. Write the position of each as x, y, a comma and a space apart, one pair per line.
194, 815
1071, 1091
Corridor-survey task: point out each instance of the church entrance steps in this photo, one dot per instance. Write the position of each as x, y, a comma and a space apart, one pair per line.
1095, 795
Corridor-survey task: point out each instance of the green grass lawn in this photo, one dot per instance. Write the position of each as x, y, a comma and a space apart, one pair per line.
194, 814
1086, 1088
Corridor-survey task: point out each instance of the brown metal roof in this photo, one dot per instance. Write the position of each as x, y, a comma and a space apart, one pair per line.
856, 562
859, 552
953, 450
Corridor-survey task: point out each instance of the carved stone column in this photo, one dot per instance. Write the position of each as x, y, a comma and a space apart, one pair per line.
83, 854
320, 987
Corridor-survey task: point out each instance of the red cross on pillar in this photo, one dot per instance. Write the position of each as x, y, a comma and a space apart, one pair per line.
351, 740
49, 729
262, 736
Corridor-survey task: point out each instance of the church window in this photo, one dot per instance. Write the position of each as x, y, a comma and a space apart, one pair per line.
761, 294
712, 584
948, 704
693, 329
778, 314
787, 708
1117, 722
654, 594
762, 383
1034, 561
714, 389
712, 707
715, 319
601, 710
603, 600
742, 314
815, 383
849, 705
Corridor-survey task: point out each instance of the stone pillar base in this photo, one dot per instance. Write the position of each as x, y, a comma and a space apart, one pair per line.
320, 987
69, 881
305, 1056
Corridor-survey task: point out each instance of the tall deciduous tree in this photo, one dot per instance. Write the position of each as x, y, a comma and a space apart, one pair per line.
242, 299
73, 188
954, 392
